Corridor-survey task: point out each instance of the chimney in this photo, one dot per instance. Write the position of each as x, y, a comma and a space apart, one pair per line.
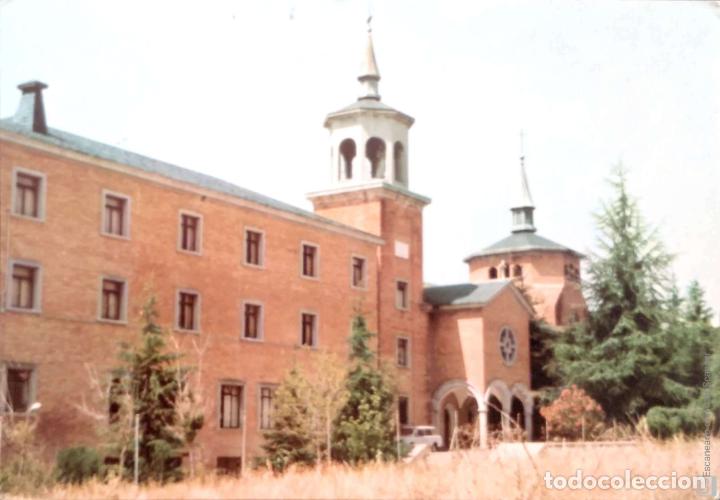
31, 112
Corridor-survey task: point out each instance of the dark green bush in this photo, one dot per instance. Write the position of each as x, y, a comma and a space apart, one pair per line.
665, 422
78, 464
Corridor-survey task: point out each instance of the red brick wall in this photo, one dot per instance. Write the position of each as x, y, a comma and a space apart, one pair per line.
66, 334
543, 274
393, 216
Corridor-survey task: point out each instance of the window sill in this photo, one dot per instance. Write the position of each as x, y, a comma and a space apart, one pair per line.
190, 252
183, 330
258, 340
254, 266
362, 288
28, 217
311, 278
121, 237
23, 310
117, 322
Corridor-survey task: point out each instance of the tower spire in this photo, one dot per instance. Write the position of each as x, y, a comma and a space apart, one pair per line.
522, 212
369, 73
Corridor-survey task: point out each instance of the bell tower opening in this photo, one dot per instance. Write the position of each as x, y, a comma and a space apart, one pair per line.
347, 155
400, 166
375, 153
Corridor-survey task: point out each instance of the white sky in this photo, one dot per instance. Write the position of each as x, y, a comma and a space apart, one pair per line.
239, 90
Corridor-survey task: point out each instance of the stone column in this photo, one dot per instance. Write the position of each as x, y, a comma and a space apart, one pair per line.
528, 405
483, 427
389, 163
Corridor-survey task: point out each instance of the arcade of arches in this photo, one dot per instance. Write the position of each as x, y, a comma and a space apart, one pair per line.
457, 404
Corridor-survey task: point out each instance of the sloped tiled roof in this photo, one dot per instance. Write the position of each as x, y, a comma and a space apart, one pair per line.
102, 151
522, 241
463, 293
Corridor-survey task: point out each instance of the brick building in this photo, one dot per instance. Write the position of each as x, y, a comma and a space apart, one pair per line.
88, 231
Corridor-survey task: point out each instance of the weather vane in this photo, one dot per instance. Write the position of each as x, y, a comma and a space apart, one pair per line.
522, 146
369, 20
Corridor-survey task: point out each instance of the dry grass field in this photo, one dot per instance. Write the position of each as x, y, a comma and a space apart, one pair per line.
472, 474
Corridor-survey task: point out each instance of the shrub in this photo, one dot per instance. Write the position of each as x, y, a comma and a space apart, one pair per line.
570, 412
78, 464
665, 422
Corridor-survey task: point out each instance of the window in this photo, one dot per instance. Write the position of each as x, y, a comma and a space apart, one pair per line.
508, 346
190, 236
254, 246
358, 272
112, 305
231, 397
309, 260
309, 330
116, 215
230, 466
18, 388
25, 286
403, 352
492, 273
506, 271
517, 271
266, 407
252, 321
401, 295
404, 410
188, 312
28, 194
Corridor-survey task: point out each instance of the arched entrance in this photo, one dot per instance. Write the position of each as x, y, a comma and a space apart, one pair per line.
494, 414
455, 404
517, 412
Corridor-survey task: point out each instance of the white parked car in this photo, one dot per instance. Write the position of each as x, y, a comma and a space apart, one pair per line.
422, 434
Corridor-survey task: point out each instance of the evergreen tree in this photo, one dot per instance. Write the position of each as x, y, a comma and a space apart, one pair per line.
290, 439
365, 425
149, 384
693, 337
621, 354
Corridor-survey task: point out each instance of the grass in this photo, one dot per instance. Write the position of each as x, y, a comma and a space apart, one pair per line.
473, 474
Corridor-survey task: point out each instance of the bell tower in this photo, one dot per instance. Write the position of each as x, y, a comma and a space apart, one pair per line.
368, 189
369, 139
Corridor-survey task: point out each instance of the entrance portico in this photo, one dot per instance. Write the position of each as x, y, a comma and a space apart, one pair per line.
458, 402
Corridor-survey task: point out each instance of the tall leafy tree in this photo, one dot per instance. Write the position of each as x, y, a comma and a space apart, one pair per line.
150, 383
620, 355
365, 425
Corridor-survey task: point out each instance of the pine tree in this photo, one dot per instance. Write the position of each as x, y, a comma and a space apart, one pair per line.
290, 439
149, 384
621, 354
364, 428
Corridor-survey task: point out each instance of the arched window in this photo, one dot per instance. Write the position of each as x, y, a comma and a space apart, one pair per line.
375, 153
347, 154
506, 271
400, 167
517, 270
492, 273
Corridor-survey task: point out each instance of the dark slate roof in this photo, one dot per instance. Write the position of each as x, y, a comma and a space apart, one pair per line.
464, 293
369, 105
96, 149
520, 242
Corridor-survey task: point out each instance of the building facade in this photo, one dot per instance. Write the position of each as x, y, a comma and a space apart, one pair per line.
250, 286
